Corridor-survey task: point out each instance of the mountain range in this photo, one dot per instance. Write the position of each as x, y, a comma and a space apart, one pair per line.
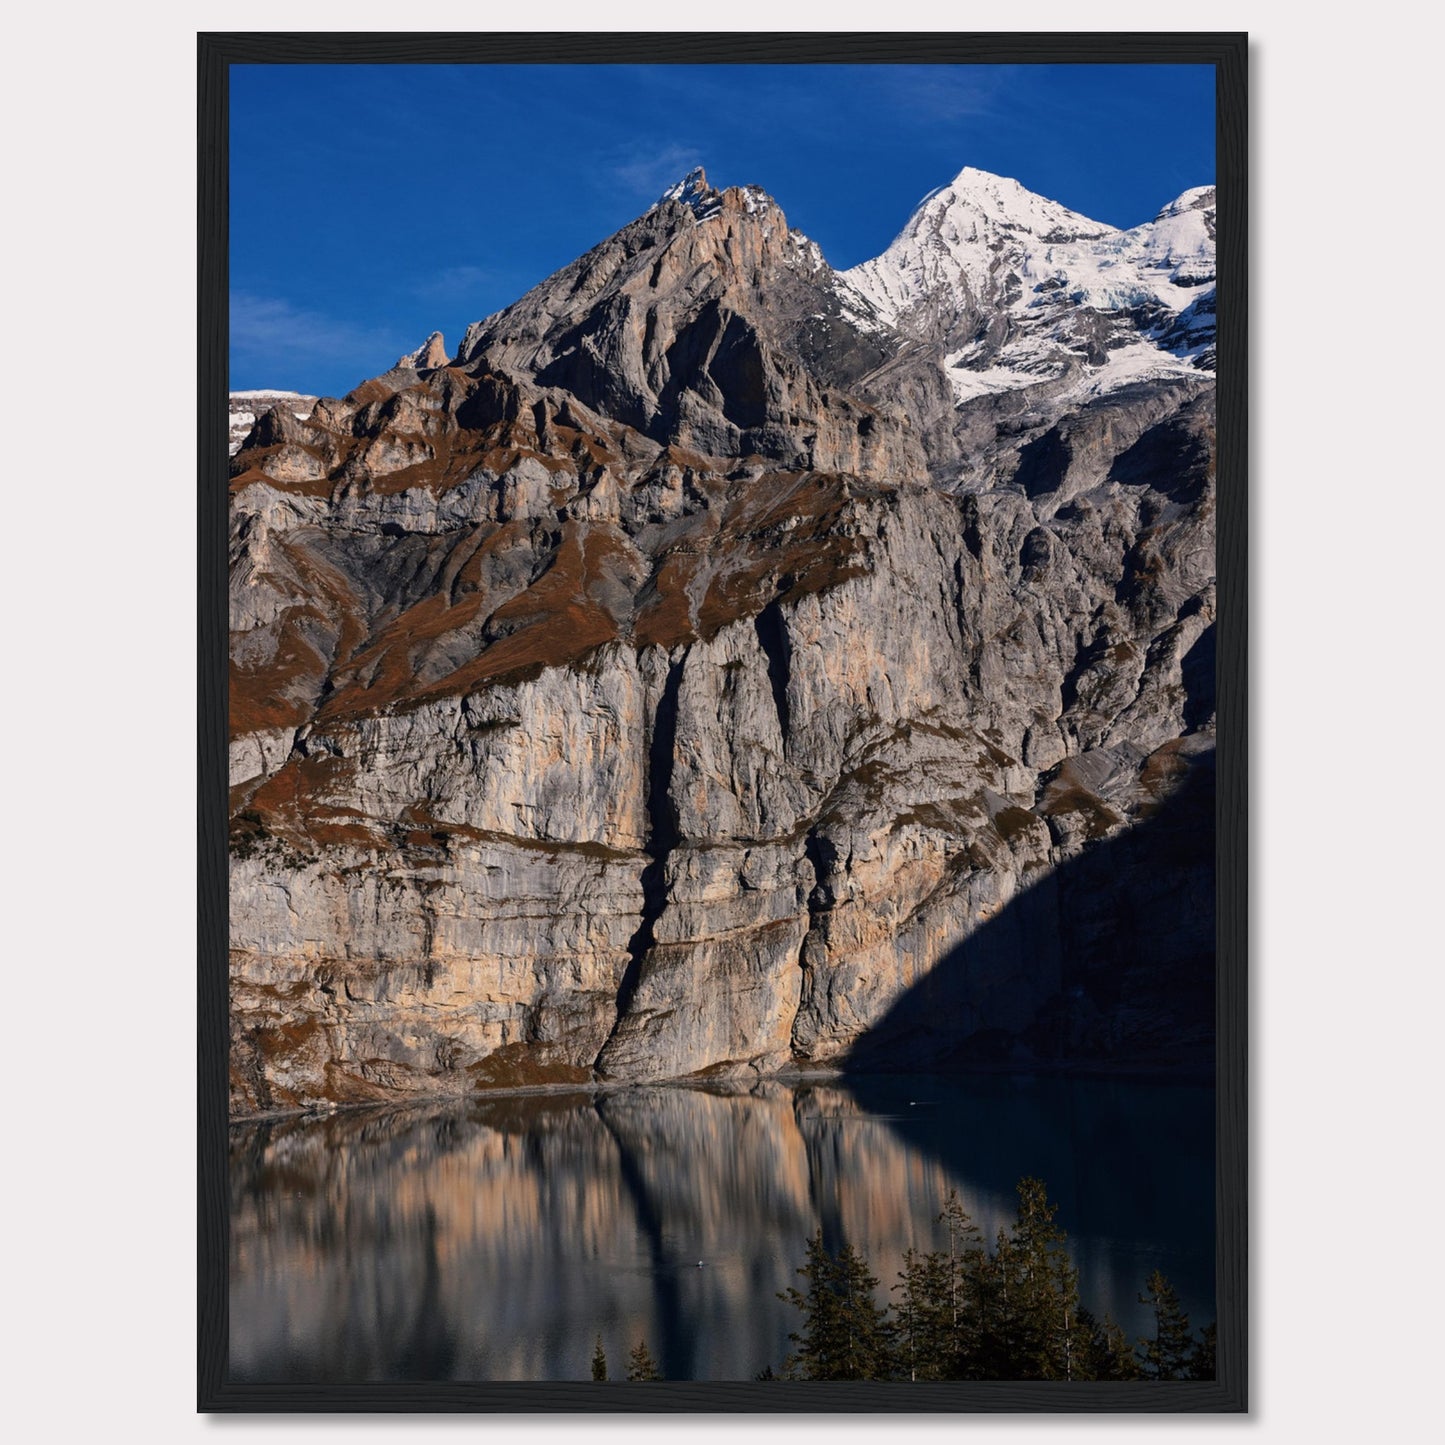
721, 664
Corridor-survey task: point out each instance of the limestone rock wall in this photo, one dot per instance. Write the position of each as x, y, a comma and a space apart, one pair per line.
627, 699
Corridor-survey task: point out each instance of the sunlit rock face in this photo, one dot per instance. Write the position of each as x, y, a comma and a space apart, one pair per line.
247, 406
690, 676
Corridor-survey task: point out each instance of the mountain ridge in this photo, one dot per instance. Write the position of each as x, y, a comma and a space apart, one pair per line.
1020, 292
675, 678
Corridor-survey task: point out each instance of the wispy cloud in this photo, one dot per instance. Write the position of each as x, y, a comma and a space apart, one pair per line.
265, 328
452, 281
647, 171
942, 93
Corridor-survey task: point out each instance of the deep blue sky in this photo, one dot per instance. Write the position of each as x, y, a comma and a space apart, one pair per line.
373, 204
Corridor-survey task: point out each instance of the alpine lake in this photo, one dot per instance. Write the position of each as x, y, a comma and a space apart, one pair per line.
499, 1238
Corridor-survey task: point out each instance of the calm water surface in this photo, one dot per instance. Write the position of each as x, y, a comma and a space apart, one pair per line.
498, 1239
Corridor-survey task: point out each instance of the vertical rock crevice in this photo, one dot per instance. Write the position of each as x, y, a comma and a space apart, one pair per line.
822, 856
662, 835
773, 639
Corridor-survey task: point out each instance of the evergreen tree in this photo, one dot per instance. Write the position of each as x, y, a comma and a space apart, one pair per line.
960, 1274
1105, 1351
1062, 1344
956, 1318
599, 1361
971, 1313
994, 1291
845, 1334
640, 1364
1201, 1360
1167, 1355
936, 1316
1045, 1290
922, 1337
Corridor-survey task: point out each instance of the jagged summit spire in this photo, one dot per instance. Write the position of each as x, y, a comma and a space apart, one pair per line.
694, 183
429, 355
693, 192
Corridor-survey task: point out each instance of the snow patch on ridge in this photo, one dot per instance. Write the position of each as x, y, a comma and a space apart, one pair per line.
246, 406
1028, 369
1126, 365
693, 192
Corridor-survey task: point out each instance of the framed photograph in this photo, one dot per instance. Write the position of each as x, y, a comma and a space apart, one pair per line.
722, 728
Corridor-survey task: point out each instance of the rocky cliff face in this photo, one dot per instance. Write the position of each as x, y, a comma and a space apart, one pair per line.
690, 676
246, 406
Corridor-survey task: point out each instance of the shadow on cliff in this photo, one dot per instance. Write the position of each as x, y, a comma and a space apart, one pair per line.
1107, 965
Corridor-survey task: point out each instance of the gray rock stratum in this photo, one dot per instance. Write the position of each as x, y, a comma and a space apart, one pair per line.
246, 406
723, 665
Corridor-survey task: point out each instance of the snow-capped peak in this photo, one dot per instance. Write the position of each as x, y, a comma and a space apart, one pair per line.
965, 241
1197, 198
1023, 291
693, 192
1005, 202
1179, 241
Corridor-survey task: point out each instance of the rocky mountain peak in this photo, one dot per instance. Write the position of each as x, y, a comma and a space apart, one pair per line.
706, 323
428, 356
706, 202
703, 672
693, 192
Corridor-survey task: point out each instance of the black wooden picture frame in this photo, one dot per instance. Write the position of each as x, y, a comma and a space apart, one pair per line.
1227, 53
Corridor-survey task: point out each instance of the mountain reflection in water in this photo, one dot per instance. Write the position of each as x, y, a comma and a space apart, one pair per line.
496, 1239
